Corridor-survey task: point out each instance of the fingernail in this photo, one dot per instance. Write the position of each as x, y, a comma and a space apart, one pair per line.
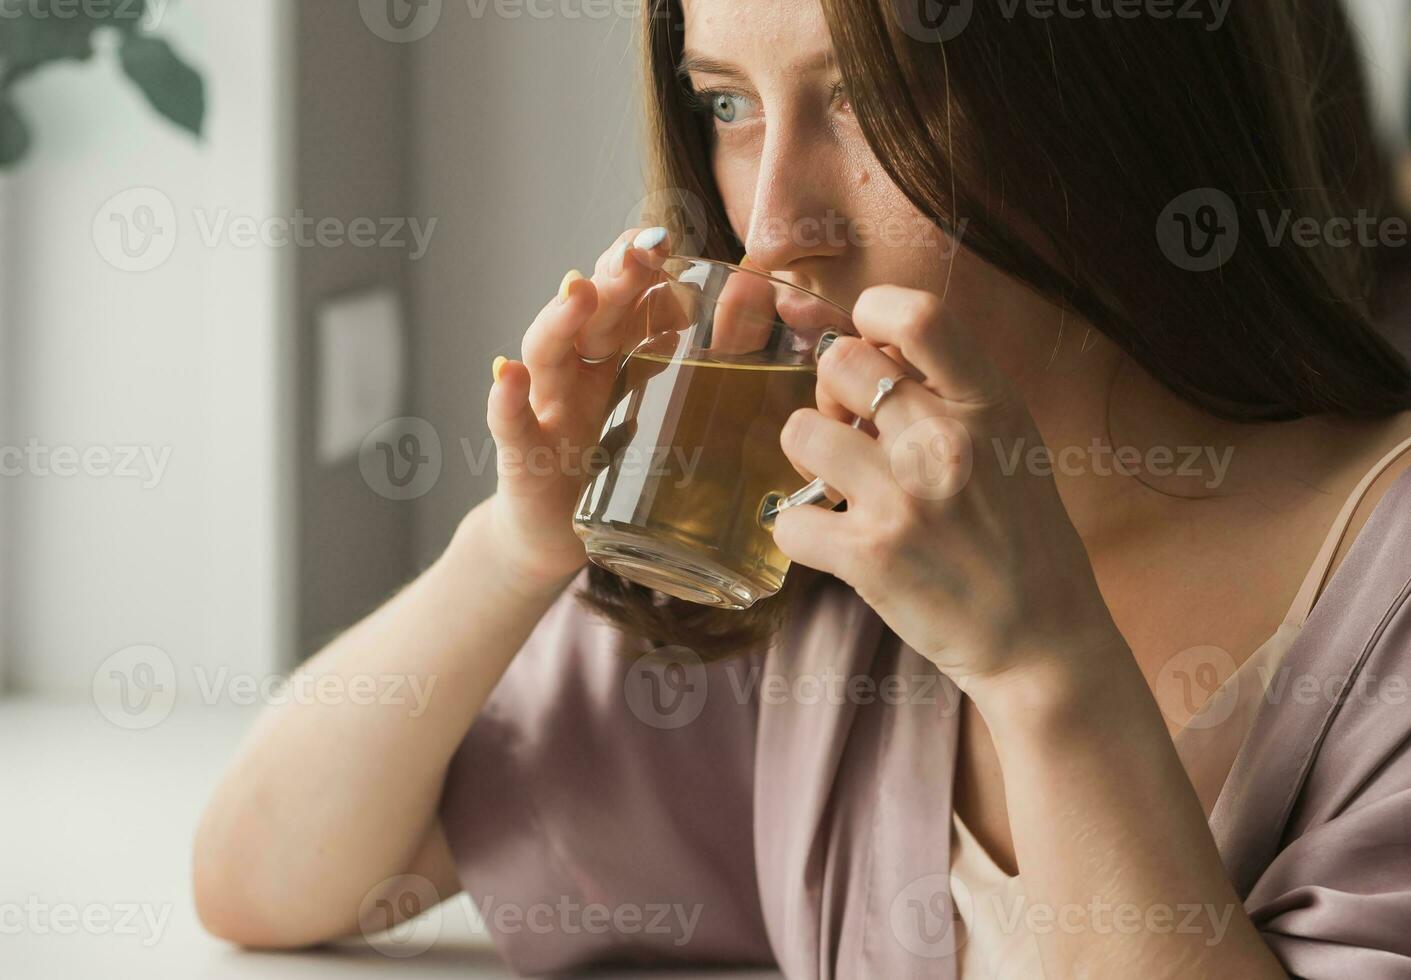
649, 238
498, 366
744, 261
572, 276
824, 343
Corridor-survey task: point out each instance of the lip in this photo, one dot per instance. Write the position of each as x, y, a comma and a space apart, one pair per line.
803, 312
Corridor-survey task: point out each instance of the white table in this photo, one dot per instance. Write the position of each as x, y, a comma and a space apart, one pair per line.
97, 821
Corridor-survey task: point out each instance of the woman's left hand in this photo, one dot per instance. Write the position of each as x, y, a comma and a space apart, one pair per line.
977, 569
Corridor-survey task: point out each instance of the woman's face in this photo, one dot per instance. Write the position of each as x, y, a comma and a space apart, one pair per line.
805, 193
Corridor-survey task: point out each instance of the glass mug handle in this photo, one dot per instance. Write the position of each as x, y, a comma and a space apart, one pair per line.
776, 503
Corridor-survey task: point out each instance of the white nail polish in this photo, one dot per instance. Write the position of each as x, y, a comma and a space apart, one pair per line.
649, 238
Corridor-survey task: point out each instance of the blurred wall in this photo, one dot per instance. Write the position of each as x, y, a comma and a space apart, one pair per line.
1384, 27
525, 147
137, 325
513, 127
352, 162
509, 134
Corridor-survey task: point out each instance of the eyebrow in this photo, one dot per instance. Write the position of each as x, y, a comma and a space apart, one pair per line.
693, 62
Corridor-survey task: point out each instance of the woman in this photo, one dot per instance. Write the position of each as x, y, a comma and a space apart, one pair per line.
1070, 739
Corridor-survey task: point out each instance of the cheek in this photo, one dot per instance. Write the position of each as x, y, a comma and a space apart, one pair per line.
735, 179
910, 250
903, 246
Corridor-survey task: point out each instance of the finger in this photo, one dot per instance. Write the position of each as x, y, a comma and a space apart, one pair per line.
834, 496
548, 348
810, 535
848, 460
512, 422
621, 275
666, 309
745, 314
830, 406
947, 355
849, 373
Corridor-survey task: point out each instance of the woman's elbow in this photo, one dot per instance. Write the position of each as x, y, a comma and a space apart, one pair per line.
232, 905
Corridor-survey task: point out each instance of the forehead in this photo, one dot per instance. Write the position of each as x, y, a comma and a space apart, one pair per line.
758, 35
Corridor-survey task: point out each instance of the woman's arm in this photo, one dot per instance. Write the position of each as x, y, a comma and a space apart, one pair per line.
980, 570
1119, 862
326, 800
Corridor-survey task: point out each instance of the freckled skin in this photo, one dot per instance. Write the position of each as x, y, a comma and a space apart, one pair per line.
805, 193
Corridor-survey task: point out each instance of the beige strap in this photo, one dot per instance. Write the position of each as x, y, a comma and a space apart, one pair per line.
1318, 575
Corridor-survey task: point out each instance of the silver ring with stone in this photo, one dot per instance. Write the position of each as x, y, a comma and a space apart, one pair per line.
884, 388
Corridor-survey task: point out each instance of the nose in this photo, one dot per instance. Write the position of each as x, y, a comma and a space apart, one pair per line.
798, 210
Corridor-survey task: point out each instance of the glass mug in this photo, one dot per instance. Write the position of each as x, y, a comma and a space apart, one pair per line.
691, 473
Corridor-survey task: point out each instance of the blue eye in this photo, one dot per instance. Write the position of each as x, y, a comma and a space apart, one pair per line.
724, 105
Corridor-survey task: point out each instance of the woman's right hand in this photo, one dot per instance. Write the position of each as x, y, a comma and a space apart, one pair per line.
546, 411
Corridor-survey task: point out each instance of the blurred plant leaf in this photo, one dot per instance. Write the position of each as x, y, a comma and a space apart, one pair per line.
14, 134
35, 33
173, 87
32, 34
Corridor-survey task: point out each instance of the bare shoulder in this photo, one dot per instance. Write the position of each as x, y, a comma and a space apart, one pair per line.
1394, 436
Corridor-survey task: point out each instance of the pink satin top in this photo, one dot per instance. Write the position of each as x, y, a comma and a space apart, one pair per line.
992, 938
794, 808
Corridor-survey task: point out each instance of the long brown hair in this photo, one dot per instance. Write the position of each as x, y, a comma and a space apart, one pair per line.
1087, 130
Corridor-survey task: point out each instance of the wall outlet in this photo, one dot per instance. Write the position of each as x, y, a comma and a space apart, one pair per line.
361, 353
